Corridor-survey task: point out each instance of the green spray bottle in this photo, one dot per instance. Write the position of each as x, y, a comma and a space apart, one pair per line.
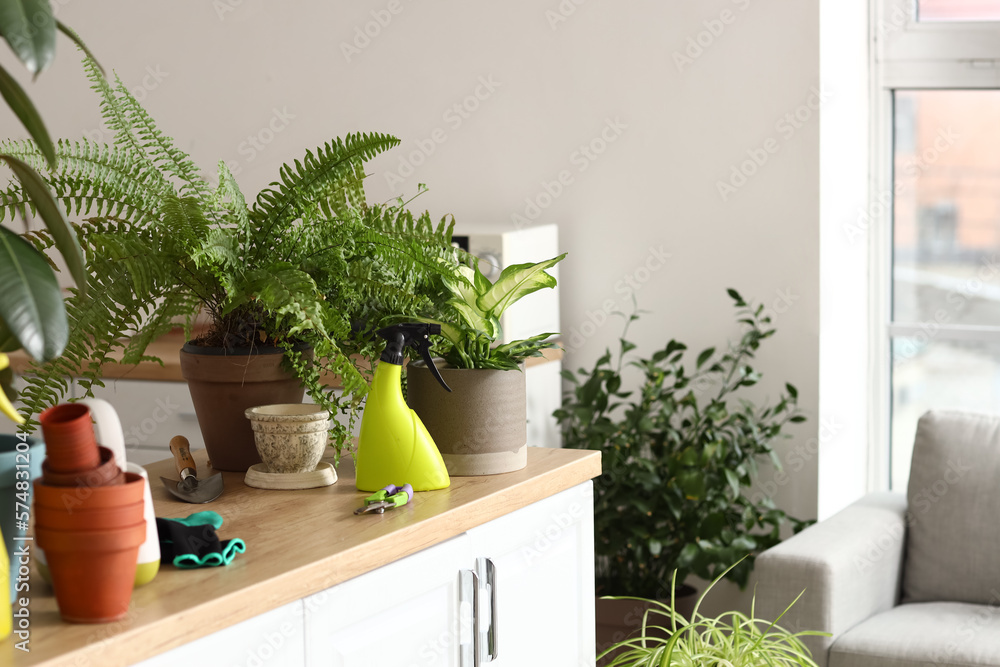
394, 446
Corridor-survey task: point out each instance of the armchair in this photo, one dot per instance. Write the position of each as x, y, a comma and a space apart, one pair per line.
904, 580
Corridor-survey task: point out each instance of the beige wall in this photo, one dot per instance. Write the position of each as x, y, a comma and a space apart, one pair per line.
217, 73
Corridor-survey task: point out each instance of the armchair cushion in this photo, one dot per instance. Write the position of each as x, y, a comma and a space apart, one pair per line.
953, 502
927, 634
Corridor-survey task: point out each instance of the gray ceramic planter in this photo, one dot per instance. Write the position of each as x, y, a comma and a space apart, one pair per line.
480, 428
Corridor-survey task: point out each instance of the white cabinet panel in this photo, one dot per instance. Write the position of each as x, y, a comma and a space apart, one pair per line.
406, 614
545, 580
151, 414
273, 638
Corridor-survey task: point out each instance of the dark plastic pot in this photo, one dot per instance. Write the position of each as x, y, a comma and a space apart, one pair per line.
17, 458
93, 519
69, 438
106, 474
92, 571
618, 620
72, 499
224, 383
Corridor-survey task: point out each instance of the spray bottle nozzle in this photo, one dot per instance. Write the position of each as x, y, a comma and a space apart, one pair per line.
411, 334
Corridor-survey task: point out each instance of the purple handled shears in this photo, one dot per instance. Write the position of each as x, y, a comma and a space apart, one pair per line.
386, 498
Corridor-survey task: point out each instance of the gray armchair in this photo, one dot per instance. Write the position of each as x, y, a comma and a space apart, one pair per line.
903, 580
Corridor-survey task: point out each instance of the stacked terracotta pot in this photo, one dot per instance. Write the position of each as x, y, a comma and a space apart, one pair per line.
88, 519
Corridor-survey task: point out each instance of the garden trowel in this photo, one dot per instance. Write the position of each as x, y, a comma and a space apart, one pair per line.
190, 489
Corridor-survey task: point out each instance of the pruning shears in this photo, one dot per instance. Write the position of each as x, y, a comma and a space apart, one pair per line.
386, 498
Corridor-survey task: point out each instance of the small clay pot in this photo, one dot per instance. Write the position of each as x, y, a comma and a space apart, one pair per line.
69, 438
92, 571
106, 474
93, 519
290, 437
85, 497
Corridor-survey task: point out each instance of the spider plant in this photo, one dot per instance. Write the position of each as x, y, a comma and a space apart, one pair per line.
732, 639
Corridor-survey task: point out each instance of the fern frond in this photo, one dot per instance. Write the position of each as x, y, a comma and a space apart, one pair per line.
118, 120
167, 157
324, 185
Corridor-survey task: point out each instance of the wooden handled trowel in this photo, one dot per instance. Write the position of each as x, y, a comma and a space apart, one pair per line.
190, 489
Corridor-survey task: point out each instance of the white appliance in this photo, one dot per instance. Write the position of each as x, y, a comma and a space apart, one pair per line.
498, 247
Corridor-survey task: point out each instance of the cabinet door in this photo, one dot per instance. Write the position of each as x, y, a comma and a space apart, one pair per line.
544, 561
273, 638
151, 413
405, 614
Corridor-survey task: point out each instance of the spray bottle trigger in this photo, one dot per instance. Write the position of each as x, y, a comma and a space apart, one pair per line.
425, 354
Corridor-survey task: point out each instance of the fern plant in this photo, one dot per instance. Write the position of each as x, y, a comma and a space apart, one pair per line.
300, 264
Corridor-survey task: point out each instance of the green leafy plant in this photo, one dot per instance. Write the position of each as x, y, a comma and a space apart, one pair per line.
680, 453
475, 308
300, 264
32, 315
732, 638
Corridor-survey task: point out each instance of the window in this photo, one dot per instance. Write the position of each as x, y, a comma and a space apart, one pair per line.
937, 265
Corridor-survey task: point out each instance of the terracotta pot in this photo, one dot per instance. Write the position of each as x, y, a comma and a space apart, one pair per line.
620, 619
86, 497
290, 437
106, 474
108, 518
224, 383
480, 427
92, 571
69, 438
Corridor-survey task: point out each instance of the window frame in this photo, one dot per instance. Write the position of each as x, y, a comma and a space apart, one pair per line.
909, 54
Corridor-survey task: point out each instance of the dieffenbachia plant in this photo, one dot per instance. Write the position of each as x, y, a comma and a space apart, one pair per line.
477, 306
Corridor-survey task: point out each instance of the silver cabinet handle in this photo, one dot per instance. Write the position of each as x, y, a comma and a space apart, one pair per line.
488, 568
469, 594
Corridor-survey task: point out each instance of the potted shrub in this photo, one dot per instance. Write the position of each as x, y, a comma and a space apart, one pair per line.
282, 279
480, 427
680, 453
668, 638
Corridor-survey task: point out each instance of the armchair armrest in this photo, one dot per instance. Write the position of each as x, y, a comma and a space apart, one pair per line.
849, 565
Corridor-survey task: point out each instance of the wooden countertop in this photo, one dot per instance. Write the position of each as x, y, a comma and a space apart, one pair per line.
298, 543
168, 349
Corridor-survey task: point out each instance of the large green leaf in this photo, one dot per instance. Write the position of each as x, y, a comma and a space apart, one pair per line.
30, 29
63, 235
516, 281
25, 110
31, 304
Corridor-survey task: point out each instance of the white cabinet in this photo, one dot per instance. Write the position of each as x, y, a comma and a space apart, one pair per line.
544, 559
151, 414
405, 614
538, 610
273, 638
